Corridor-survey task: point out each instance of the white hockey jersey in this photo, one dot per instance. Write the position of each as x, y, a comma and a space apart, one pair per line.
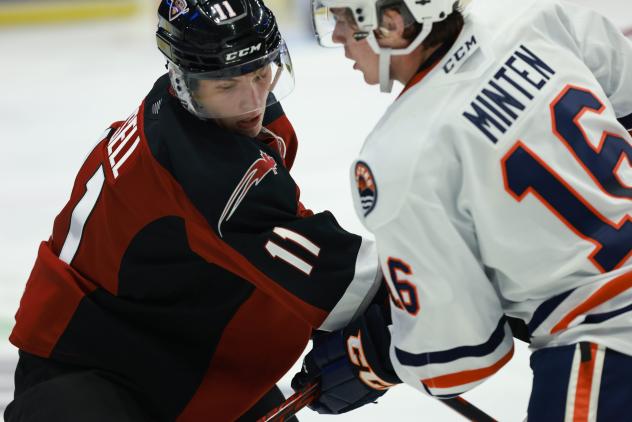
500, 183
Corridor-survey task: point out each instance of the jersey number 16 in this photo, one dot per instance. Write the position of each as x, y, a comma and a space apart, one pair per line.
525, 172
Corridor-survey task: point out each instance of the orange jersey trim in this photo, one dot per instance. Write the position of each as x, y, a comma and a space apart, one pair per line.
419, 76
467, 377
604, 294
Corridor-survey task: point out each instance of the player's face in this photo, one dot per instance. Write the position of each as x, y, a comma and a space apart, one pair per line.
365, 59
237, 103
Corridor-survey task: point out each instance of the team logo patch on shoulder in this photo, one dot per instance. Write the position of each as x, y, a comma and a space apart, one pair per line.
367, 189
253, 176
177, 8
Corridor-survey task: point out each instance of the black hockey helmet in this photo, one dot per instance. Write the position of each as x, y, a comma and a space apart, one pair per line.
218, 40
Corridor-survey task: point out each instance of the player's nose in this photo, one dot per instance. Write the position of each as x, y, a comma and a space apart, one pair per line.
252, 98
338, 35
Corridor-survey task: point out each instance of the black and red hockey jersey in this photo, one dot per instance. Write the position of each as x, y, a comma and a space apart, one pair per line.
185, 264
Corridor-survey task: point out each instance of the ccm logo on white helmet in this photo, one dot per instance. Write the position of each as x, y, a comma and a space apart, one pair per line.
243, 52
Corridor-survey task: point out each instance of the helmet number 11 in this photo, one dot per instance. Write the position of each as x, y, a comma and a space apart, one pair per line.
225, 12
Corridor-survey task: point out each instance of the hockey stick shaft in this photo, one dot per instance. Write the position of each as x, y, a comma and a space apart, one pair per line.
292, 405
467, 410
306, 396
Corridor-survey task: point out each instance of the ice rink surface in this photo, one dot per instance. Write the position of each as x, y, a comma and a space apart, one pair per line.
61, 86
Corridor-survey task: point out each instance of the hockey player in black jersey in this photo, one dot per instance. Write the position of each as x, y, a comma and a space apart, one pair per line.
184, 277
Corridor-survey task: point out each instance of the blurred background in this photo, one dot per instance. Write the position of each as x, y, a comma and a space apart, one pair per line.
69, 68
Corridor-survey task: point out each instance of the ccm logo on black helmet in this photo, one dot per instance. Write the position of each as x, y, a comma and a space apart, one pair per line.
243, 52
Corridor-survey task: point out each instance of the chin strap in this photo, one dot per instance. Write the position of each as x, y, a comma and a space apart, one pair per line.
386, 83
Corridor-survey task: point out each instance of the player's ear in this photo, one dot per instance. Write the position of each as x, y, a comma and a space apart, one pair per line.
391, 30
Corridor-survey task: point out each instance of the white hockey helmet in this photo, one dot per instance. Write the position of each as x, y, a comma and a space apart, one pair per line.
367, 16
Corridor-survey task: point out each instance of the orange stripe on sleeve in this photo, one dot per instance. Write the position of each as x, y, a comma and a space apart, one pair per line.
604, 294
467, 377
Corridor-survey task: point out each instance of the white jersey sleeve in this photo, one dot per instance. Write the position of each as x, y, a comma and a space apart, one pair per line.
450, 332
607, 53
361, 291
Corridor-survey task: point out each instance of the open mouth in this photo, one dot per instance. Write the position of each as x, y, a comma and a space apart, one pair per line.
248, 123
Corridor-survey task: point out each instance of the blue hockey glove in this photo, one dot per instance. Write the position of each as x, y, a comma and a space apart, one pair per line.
352, 365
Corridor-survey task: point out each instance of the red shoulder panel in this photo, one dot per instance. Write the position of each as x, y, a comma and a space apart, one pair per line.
283, 128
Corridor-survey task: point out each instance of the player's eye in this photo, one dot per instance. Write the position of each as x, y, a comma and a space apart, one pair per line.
225, 87
262, 75
339, 16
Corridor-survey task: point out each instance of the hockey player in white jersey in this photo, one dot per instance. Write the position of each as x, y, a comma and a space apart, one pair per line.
498, 184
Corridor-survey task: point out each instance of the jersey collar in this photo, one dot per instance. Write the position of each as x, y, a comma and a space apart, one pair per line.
429, 64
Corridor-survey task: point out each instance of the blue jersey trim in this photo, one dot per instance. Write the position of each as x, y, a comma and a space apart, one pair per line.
445, 356
446, 396
597, 318
545, 309
626, 121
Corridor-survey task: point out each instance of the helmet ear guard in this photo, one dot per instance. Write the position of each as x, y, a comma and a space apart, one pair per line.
182, 87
